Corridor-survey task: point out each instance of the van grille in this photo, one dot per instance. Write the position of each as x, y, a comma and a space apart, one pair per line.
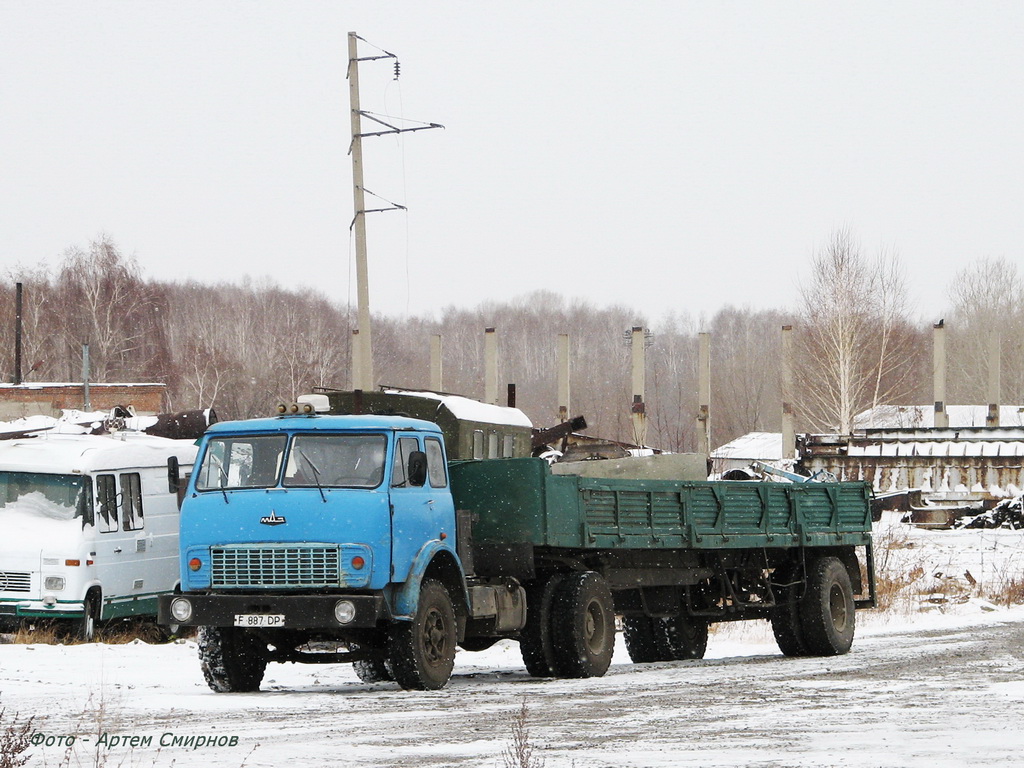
15, 581
287, 566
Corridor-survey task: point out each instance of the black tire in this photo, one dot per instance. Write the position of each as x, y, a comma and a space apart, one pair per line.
583, 626
785, 617
641, 644
681, 637
827, 615
375, 670
233, 660
85, 627
421, 652
535, 639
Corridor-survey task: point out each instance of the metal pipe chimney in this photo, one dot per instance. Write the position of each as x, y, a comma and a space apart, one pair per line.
17, 333
490, 366
941, 419
994, 364
788, 428
436, 378
563, 377
704, 393
638, 341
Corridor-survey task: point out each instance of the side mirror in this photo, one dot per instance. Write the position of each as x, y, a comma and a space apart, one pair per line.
417, 471
173, 475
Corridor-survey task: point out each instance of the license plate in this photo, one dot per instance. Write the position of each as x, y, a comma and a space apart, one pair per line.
259, 620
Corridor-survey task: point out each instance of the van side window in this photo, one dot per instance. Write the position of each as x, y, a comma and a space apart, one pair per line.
106, 500
436, 470
131, 502
403, 448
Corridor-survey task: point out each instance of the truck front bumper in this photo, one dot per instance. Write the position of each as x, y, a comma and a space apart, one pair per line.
281, 611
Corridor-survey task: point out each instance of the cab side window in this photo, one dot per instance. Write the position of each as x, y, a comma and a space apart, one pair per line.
106, 501
436, 470
131, 502
399, 472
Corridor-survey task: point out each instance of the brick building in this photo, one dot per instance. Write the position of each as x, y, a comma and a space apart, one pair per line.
49, 398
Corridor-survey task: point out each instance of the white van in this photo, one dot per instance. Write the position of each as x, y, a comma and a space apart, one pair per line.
88, 526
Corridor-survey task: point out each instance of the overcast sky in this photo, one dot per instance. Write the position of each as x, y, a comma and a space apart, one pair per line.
666, 156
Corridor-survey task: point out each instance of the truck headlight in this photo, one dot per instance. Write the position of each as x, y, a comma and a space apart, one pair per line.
54, 583
181, 609
344, 611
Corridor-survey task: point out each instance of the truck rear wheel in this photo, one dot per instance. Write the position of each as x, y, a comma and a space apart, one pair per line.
827, 609
535, 641
641, 643
421, 652
785, 616
233, 660
583, 626
681, 637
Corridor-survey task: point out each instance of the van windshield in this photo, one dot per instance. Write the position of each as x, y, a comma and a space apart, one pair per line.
59, 497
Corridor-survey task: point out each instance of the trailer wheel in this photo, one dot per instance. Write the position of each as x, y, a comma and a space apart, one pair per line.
827, 609
583, 626
681, 637
233, 660
785, 617
641, 643
421, 652
535, 640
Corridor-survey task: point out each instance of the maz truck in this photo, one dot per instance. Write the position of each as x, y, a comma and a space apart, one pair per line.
375, 538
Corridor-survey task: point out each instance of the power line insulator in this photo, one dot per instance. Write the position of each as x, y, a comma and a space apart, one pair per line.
398, 69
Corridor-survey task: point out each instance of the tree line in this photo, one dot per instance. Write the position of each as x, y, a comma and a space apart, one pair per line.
241, 348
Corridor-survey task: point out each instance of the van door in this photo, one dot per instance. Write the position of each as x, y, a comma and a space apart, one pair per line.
114, 545
419, 513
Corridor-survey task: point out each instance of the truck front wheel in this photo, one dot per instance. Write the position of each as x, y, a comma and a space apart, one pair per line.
233, 660
421, 652
583, 626
827, 608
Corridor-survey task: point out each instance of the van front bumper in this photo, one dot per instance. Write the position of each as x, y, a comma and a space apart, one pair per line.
281, 611
14, 611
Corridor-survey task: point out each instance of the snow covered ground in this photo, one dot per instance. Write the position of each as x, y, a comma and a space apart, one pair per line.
936, 681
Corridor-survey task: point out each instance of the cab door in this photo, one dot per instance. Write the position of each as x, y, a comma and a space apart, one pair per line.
419, 513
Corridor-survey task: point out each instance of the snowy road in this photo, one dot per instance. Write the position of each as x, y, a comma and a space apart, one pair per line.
944, 693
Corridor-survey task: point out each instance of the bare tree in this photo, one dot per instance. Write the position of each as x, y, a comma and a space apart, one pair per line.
855, 333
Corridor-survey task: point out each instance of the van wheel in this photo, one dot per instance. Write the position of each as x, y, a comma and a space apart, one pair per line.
583, 626
233, 660
85, 627
421, 652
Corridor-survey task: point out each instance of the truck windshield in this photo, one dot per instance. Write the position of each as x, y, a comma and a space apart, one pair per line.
252, 461
347, 461
60, 497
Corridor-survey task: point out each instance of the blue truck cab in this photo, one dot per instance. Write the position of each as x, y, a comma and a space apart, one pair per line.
324, 538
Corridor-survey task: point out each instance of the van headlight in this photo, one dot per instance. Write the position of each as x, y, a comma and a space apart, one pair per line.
181, 609
54, 583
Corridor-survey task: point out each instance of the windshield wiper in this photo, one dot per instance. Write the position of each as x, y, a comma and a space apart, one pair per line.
316, 473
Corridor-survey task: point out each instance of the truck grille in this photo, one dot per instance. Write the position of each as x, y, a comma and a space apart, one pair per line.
281, 566
14, 581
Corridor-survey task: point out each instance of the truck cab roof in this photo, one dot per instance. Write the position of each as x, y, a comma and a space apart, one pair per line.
313, 423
